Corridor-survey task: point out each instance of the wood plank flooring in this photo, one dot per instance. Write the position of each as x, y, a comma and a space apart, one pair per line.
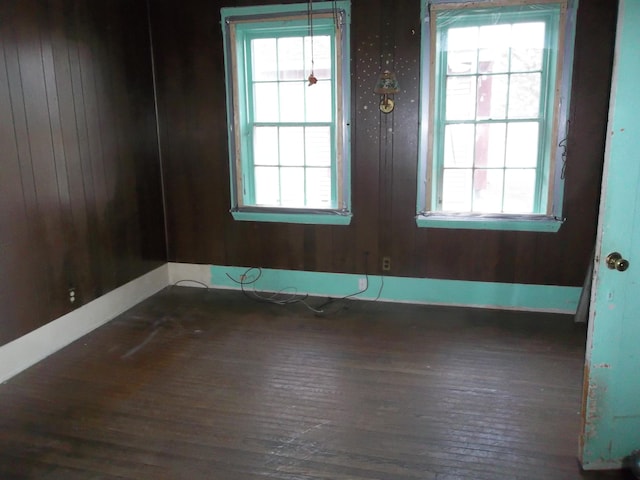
204, 384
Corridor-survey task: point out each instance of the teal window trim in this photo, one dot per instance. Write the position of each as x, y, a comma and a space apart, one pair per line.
240, 25
519, 223
550, 186
479, 17
303, 217
245, 33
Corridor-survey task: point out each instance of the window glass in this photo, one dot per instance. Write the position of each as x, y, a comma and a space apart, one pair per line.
288, 136
493, 118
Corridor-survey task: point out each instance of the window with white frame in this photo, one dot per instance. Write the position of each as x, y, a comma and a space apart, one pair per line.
494, 104
287, 77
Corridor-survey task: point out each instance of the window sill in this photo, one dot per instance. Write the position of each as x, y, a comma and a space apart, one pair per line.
309, 217
518, 223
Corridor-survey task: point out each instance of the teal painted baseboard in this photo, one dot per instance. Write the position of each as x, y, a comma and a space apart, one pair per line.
512, 296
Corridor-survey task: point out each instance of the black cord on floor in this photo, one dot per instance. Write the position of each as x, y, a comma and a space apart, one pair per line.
273, 299
292, 298
187, 280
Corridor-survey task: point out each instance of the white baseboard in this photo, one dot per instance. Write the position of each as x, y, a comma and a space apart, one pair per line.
189, 274
29, 349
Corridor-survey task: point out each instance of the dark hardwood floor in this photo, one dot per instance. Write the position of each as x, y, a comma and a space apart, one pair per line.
204, 384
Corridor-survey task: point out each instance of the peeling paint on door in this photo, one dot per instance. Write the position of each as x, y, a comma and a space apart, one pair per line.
611, 411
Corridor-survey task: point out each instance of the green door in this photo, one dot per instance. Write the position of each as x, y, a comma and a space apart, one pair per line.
611, 411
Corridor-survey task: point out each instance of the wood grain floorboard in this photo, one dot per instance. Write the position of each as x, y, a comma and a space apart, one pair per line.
204, 384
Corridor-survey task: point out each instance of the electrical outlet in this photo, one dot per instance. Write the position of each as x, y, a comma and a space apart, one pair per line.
386, 263
362, 284
72, 295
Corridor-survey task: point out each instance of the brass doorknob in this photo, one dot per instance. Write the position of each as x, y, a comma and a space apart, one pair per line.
616, 262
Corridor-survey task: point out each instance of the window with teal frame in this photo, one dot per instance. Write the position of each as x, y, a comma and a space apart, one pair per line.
287, 82
494, 104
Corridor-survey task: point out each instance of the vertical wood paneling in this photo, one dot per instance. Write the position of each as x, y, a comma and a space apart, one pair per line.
63, 272
365, 140
20, 260
585, 145
72, 140
405, 131
94, 173
385, 34
42, 122
11, 192
77, 257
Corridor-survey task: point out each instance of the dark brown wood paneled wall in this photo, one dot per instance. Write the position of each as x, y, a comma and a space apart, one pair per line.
80, 190
385, 33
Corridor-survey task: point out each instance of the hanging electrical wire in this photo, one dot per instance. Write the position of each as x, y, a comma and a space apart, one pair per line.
563, 145
282, 297
312, 77
273, 299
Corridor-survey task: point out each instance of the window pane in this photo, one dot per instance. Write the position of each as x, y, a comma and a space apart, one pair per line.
522, 144
292, 186
492, 96
461, 98
265, 146
462, 50
267, 186
288, 134
317, 146
319, 103
456, 190
265, 60
487, 190
493, 76
527, 46
291, 146
292, 102
321, 56
519, 191
461, 38
524, 95
458, 145
291, 59
319, 187
265, 102
494, 48
461, 62
490, 144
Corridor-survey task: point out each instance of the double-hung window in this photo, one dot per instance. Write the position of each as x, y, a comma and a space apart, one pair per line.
496, 78
287, 75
